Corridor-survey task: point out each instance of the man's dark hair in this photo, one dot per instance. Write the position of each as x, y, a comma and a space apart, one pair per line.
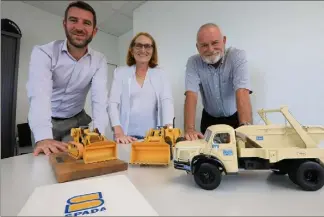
84, 6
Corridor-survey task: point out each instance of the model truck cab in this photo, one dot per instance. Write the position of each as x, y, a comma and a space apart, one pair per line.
218, 148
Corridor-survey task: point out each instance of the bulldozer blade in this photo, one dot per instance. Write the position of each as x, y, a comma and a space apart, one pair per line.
75, 150
152, 153
100, 151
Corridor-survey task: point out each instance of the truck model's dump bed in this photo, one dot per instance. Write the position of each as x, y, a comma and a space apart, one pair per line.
277, 136
278, 142
278, 154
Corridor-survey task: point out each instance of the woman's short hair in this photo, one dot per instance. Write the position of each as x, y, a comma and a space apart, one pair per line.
130, 58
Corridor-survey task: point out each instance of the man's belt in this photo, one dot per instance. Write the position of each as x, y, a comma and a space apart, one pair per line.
62, 119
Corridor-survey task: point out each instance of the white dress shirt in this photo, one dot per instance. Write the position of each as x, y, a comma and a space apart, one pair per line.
143, 108
120, 96
58, 85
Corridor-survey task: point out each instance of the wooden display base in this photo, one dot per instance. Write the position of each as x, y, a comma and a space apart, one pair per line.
67, 169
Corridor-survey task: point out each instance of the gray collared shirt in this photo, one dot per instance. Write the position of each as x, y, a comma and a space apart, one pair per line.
218, 85
58, 85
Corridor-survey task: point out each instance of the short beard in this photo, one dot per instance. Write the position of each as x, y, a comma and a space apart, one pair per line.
212, 60
71, 41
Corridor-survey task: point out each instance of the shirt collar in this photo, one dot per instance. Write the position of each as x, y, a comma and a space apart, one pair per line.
89, 52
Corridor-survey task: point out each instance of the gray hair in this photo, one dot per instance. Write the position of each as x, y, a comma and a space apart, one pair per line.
208, 25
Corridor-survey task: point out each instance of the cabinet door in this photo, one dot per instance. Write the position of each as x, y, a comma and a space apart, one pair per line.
9, 65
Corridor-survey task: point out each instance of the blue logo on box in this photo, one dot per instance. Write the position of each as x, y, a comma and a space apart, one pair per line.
85, 204
227, 152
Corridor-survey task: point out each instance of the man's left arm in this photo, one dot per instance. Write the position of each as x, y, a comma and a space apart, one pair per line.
242, 87
99, 97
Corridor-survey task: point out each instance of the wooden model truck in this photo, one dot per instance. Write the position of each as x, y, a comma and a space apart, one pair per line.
90, 146
286, 149
157, 147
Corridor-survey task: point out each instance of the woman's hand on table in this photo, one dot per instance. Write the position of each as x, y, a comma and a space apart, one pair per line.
121, 138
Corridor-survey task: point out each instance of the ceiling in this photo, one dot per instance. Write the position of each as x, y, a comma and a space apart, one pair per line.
113, 17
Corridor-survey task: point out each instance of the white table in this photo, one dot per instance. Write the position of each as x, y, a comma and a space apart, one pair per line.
173, 192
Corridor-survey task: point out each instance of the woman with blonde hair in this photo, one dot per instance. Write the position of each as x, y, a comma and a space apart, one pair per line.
141, 96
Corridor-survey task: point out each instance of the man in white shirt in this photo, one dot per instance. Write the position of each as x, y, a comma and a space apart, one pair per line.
60, 76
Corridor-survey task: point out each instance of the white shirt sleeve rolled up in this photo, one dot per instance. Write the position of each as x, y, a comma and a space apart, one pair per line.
99, 97
114, 99
39, 92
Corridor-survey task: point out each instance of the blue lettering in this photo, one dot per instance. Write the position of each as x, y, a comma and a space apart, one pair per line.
259, 138
215, 146
94, 210
77, 213
227, 152
87, 212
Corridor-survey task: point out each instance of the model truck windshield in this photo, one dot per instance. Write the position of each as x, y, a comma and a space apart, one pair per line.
207, 135
222, 138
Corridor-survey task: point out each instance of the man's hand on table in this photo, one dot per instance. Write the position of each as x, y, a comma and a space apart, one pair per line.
48, 146
192, 134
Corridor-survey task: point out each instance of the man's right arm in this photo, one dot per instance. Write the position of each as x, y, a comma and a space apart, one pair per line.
39, 91
192, 82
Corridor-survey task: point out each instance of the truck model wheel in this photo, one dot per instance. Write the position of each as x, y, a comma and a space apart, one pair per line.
208, 176
292, 171
310, 176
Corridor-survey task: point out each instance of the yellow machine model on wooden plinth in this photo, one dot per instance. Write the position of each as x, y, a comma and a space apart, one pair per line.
157, 147
90, 146
290, 149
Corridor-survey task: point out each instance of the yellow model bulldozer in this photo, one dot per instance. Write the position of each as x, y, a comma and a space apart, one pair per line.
157, 147
90, 146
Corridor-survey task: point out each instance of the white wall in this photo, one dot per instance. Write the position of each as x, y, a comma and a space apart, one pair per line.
123, 43
283, 41
40, 27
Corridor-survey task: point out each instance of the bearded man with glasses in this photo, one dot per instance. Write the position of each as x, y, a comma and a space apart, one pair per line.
222, 77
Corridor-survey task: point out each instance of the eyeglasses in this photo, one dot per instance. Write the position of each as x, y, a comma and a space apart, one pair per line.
206, 45
139, 46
